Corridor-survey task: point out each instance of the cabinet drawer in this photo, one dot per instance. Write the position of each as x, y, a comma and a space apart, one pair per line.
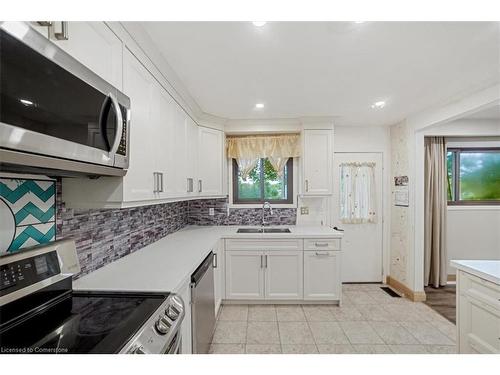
479, 288
267, 244
322, 244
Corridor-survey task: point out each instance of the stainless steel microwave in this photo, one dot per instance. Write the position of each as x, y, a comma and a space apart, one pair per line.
57, 116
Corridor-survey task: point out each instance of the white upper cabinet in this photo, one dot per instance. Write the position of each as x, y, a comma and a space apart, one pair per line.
210, 161
94, 45
139, 85
191, 157
317, 162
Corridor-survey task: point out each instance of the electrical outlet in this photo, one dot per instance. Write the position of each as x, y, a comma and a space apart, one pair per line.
211, 211
304, 210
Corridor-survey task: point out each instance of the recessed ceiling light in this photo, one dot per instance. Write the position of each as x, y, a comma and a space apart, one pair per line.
259, 23
359, 21
378, 105
26, 102
259, 105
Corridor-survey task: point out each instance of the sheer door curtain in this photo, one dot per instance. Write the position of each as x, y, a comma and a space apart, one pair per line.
357, 193
435, 208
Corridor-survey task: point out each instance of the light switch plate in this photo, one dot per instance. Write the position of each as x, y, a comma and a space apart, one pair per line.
304, 210
211, 211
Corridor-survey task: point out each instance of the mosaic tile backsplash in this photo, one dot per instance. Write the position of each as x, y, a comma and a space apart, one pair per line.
105, 235
27, 213
198, 214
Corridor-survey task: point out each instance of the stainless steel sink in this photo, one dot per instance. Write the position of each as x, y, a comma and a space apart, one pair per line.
249, 230
263, 230
276, 230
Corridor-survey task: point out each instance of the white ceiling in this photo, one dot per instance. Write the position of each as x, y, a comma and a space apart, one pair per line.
302, 69
487, 114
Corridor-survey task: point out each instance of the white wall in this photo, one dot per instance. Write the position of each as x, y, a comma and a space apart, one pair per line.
473, 233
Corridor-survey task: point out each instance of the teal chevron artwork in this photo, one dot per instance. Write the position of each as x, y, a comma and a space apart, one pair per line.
28, 213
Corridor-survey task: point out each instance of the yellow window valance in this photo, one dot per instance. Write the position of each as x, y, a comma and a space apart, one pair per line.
247, 150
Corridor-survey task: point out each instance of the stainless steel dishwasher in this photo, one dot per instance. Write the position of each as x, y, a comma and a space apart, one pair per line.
203, 306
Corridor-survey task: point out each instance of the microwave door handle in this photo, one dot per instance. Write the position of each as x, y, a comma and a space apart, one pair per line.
106, 104
119, 124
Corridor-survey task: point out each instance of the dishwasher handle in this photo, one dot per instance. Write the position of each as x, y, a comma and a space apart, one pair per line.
202, 269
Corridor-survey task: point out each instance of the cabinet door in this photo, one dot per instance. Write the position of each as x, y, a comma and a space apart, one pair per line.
479, 326
179, 136
94, 45
317, 162
322, 275
244, 274
284, 274
164, 138
192, 156
185, 293
218, 272
139, 86
210, 161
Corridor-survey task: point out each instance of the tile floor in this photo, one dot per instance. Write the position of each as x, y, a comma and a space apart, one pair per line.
369, 321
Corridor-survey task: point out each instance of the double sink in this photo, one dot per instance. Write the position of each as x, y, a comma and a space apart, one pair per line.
263, 230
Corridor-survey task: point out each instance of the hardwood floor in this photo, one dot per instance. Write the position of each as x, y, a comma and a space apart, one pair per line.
442, 300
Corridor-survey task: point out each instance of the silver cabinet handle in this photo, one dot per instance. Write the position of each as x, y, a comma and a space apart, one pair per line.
155, 182
265, 266
214, 261
307, 185
321, 244
321, 254
160, 178
189, 185
63, 34
200, 186
262, 261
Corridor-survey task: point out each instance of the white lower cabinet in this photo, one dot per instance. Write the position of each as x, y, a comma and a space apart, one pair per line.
322, 275
218, 274
478, 315
283, 275
264, 275
287, 272
244, 275
185, 293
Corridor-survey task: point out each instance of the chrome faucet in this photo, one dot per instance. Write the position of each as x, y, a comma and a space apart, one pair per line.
266, 205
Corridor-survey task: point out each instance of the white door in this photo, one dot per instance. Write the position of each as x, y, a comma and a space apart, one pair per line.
322, 275
244, 274
284, 274
362, 243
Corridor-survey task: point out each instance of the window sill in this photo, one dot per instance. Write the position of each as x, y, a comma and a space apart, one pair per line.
256, 205
474, 207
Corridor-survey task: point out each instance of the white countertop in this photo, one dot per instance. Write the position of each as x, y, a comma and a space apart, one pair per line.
168, 263
485, 269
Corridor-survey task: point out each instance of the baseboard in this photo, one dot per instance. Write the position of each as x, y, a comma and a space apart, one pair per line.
398, 286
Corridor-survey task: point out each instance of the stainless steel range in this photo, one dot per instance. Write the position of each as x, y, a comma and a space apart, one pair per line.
40, 313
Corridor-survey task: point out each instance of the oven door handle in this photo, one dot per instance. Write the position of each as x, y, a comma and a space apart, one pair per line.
119, 124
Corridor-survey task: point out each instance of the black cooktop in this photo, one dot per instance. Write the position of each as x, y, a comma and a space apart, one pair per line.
79, 322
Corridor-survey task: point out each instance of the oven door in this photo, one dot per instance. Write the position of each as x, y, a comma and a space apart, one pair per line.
52, 105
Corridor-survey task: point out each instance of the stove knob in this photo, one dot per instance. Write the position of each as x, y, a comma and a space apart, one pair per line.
162, 326
172, 312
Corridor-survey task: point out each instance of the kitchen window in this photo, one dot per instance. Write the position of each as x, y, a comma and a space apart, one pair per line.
473, 176
263, 184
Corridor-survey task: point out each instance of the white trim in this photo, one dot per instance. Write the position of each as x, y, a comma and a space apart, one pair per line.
474, 208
